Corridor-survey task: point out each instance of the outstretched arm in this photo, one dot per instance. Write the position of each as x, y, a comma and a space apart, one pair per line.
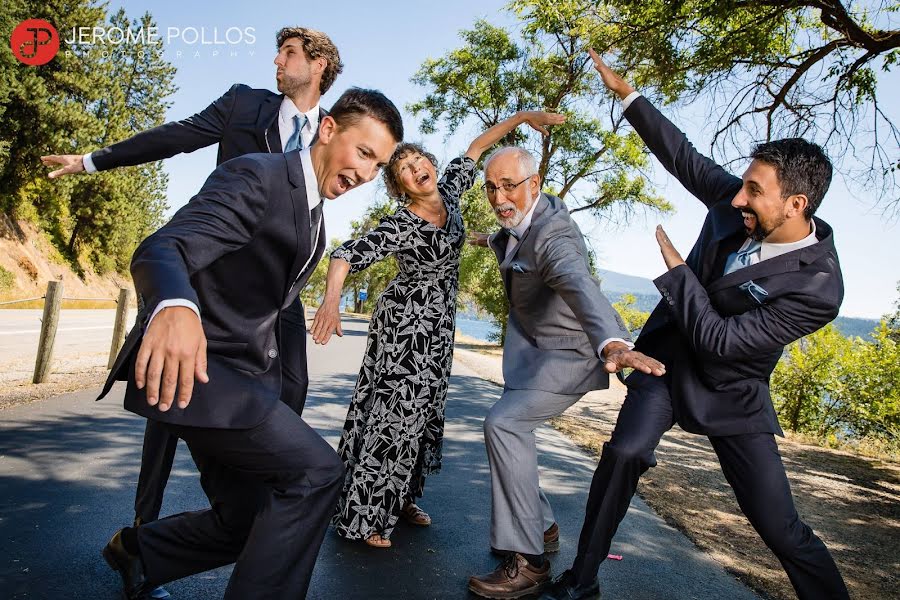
328, 317
537, 120
700, 175
197, 131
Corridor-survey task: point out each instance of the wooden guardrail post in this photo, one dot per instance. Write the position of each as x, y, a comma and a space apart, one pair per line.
118, 337
48, 331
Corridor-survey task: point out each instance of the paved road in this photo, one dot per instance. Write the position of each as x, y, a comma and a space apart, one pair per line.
68, 467
79, 332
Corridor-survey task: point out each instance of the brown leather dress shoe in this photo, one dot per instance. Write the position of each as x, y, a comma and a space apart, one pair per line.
513, 578
551, 539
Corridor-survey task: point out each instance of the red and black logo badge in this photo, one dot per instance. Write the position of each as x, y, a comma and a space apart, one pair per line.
34, 42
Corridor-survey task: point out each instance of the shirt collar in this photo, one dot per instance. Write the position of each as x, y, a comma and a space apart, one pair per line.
309, 175
523, 226
289, 109
770, 250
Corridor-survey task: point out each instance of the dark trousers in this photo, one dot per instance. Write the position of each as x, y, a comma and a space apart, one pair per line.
159, 445
272, 490
751, 464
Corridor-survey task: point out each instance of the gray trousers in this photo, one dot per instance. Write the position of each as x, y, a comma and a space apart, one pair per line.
520, 512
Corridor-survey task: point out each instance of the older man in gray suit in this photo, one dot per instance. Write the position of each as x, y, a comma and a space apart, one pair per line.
563, 339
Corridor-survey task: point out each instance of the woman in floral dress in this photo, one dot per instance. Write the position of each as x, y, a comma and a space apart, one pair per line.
393, 434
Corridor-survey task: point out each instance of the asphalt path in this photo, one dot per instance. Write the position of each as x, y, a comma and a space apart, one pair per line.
78, 332
68, 467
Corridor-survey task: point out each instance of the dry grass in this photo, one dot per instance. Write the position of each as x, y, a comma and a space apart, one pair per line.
852, 502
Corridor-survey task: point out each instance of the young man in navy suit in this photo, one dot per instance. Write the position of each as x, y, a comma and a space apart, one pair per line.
242, 121
214, 285
763, 273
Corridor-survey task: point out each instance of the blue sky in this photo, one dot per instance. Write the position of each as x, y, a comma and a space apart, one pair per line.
383, 43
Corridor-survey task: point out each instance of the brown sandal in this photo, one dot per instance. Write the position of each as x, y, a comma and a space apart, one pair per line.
415, 515
377, 541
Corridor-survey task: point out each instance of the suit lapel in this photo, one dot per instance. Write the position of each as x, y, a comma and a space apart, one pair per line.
301, 216
785, 263
498, 243
267, 123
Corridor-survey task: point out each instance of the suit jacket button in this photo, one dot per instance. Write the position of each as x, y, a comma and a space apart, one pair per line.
273, 353
671, 302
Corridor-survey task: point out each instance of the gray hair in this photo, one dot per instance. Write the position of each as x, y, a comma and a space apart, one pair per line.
526, 159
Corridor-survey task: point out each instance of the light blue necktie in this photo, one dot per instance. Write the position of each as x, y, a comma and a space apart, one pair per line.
294, 142
742, 258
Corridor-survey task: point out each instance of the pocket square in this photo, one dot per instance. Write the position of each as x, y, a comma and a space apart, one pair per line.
757, 292
518, 268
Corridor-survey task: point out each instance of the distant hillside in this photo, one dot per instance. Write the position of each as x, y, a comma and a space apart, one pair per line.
853, 327
616, 285
627, 284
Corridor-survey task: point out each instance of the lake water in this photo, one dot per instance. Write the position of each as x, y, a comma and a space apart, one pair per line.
476, 328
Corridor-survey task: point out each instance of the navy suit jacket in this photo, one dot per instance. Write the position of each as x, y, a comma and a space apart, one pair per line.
720, 340
236, 250
242, 121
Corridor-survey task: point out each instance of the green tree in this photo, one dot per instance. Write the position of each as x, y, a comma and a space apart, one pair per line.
807, 385
870, 394
769, 68
893, 320
86, 97
633, 317
592, 162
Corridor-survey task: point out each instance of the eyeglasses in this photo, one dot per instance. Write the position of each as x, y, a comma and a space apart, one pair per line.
508, 188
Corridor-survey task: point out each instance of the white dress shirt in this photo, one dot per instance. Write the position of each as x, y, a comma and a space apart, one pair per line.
769, 250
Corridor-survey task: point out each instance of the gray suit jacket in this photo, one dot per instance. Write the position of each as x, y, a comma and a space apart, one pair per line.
558, 316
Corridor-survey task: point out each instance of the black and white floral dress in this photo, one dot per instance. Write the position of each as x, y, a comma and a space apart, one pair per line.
394, 431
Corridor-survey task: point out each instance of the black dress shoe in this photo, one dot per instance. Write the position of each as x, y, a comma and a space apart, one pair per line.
129, 567
159, 592
565, 588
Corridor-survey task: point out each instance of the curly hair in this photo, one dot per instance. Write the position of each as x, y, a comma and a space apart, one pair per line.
389, 175
315, 44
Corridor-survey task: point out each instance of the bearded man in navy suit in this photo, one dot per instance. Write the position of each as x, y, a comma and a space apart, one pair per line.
763, 273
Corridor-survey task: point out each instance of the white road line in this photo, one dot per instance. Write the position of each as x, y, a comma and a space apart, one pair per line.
22, 331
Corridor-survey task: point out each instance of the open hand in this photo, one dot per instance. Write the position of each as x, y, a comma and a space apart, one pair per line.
618, 356
611, 79
326, 323
172, 354
669, 253
538, 120
71, 163
478, 239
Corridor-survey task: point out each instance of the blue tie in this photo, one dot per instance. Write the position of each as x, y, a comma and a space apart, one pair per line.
294, 142
741, 259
